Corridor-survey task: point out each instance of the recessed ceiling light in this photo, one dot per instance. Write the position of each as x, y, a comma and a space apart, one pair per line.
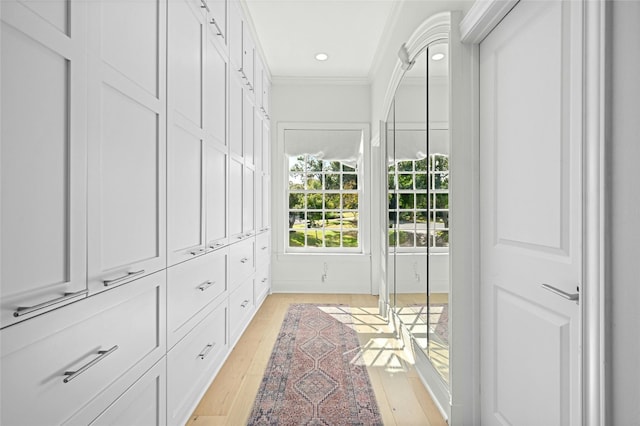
437, 56
322, 56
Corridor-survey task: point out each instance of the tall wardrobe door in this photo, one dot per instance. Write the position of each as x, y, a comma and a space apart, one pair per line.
43, 157
127, 147
185, 137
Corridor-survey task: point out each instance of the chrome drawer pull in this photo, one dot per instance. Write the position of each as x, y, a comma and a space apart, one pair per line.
205, 285
265, 247
213, 22
264, 280
107, 283
244, 304
244, 260
205, 5
216, 245
248, 234
240, 237
196, 252
206, 350
24, 310
73, 374
568, 296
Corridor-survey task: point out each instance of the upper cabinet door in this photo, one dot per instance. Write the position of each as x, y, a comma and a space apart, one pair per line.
236, 96
217, 17
235, 37
215, 97
247, 130
186, 135
127, 143
248, 48
266, 93
257, 81
43, 157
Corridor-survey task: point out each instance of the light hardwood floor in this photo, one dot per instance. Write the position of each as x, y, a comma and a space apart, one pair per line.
401, 397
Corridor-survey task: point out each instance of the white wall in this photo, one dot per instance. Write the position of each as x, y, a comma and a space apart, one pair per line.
314, 101
624, 272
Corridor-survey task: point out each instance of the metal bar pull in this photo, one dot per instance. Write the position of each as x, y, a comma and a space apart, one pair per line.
205, 285
216, 245
568, 296
213, 22
207, 349
73, 374
125, 277
244, 260
24, 310
244, 303
197, 251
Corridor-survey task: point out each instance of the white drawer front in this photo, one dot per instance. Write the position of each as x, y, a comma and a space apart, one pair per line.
262, 283
263, 248
99, 338
241, 262
191, 286
143, 404
192, 363
241, 306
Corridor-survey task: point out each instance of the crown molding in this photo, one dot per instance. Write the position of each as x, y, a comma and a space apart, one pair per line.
320, 81
483, 16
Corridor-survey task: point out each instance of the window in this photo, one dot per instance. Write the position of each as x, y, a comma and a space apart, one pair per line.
419, 203
323, 206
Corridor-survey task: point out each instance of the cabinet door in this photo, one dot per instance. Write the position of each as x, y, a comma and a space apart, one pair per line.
266, 202
248, 195
216, 197
247, 130
259, 191
43, 157
215, 98
266, 148
235, 37
257, 141
257, 85
235, 117
236, 174
266, 93
218, 18
248, 48
127, 143
185, 138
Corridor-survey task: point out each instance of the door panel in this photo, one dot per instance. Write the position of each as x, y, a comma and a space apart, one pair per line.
530, 207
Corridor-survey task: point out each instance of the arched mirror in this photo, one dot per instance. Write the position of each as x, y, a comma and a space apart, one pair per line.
417, 146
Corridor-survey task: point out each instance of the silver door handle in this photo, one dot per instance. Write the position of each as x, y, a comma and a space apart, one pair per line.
73, 374
122, 278
213, 22
265, 247
244, 303
264, 280
564, 294
244, 260
216, 245
24, 310
196, 252
205, 5
206, 350
206, 285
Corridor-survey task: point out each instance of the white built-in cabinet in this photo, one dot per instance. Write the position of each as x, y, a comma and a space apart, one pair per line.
135, 188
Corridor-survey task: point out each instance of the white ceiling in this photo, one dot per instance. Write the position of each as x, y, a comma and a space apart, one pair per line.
291, 32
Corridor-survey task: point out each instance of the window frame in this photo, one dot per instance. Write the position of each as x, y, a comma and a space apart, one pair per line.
281, 199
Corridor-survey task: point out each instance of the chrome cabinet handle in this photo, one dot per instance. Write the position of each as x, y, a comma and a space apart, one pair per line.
205, 5
206, 350
216, 245
205, 285
213, 22
244, 303
240, 237
107, 283
264, 280
196, 252
563, 294
244, 260
248, 234
73, 374
24, 310
265, 247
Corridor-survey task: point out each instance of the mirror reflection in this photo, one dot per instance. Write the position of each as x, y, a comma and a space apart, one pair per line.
418, 204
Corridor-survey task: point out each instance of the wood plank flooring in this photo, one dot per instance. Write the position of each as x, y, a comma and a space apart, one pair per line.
401, 397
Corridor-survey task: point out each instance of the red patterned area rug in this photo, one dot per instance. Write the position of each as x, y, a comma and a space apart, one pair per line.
314, 375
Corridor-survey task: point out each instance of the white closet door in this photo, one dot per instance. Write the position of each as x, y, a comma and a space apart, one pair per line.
236, 175
127, 144
43, 156
185, 138
216, 196
531, 215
